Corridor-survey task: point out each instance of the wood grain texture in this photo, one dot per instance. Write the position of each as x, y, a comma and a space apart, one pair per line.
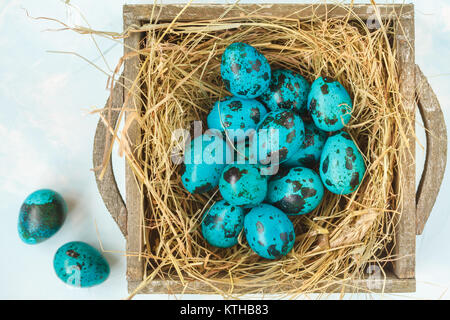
300, 11
436, 153
103, 138
135, 265
391, 284
405, 234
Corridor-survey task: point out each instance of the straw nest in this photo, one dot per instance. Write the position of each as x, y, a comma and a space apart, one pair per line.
178, 82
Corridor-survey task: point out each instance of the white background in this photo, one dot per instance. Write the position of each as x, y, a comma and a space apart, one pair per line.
46, 138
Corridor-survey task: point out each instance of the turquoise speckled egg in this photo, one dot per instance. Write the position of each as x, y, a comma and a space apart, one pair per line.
80, 265
309, 153
287, 90
297, 191
245, 71
42, 214
243, 185
222, 224
342, 166
269, 232
279, 135
330, 104
204, 160
236, 116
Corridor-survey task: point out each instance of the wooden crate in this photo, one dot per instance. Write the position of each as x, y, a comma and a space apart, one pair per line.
415, 91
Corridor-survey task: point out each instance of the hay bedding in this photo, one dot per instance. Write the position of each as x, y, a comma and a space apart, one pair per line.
180, 74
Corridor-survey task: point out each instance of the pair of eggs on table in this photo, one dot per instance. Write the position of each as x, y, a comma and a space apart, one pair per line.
246, 73
41, 215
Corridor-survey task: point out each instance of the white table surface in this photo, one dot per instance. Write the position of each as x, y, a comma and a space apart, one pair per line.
46, 138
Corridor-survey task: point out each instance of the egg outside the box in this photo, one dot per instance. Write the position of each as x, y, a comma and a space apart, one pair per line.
41, 215
80, 265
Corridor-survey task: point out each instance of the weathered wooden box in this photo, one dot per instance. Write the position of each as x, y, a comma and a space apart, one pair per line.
415, 91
